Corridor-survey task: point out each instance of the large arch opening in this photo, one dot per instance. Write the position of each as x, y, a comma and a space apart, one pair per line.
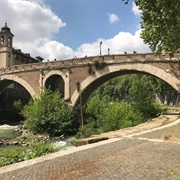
55, 82
102, 113
93, 82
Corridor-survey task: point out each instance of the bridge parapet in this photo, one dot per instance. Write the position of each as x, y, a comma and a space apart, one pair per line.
80, 61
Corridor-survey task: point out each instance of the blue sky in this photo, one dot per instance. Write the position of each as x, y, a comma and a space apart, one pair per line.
63, 29
88, 20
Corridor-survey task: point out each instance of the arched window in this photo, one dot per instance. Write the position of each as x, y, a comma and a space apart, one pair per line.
9, 41
2, 39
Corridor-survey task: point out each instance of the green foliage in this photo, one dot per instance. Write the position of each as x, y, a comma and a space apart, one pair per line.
117, 115
13, 114
103, 116
119, 87
37, 150
48, 114
18, 105
10, 156
160, 24
99, 65
18, 154
89, 129
142, 99
122, 102
95, 106
116, 88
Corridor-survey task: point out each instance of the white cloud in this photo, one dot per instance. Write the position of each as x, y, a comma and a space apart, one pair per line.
135, 10
33, 25
55, 50
122, 42
113, 18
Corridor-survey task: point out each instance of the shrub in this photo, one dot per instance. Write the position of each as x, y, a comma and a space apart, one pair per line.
48, 114
104, 116
117, 115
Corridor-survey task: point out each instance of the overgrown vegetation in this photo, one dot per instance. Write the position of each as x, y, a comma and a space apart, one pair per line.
49, 114
99, 65
122, 102
18, 154
90, 70
103, 116
119, 88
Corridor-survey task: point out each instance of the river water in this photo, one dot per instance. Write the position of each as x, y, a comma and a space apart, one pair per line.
10, 132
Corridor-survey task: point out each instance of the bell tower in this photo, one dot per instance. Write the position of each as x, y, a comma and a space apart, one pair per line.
6, 46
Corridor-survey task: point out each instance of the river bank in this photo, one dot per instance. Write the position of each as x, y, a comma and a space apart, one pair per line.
157, 123
17, 135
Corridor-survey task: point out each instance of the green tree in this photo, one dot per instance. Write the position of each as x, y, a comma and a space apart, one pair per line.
48, 114
117, 115
160, 24
142, 100
17, 107
95, 105
103, 115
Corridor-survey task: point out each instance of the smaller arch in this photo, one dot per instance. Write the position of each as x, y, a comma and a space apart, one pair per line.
64, 77
22, 82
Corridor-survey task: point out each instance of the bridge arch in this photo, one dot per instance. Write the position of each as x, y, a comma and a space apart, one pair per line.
9, 78
65, 78
109, 72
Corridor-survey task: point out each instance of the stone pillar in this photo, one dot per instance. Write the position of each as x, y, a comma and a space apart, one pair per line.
41, 77
67, 86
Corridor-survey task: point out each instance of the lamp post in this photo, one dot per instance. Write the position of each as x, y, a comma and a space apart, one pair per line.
108, 51
100, 48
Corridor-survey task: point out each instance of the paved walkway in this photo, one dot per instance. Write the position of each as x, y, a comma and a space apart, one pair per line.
133, 157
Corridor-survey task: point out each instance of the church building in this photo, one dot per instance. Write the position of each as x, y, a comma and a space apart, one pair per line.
10, 56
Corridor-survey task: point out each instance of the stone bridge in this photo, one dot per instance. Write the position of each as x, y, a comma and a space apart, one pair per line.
83, 75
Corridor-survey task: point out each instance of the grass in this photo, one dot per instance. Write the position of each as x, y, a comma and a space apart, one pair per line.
17, 154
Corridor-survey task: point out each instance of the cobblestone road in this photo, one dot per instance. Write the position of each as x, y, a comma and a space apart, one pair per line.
126, 159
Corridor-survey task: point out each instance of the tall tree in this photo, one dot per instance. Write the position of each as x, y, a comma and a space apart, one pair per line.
142, 100
160, 24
